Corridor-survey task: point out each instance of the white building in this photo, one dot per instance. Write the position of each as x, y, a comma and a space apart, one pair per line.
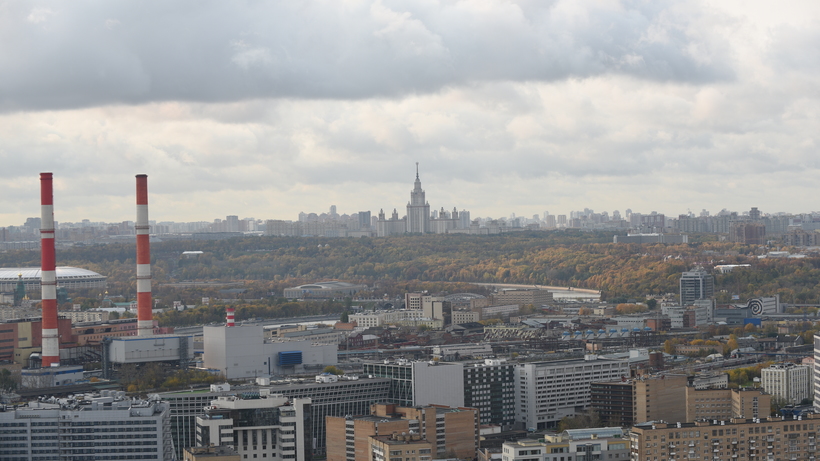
258, 425
787, 381
603, 443
545, 392
241, 352
93, 426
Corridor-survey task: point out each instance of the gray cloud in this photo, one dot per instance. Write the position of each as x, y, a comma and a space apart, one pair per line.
84, 54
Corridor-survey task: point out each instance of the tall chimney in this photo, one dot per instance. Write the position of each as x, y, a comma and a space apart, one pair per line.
48, 275
229, 317
145, 322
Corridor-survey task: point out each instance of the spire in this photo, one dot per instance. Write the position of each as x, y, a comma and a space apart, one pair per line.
417, 170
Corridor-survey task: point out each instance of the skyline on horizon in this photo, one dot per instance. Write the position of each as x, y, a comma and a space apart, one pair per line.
265, 110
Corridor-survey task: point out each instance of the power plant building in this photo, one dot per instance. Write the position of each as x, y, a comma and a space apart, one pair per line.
241, 352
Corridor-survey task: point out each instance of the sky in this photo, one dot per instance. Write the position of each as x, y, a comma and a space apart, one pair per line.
266, 109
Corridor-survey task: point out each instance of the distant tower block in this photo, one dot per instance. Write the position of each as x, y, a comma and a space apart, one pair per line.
48, 274
229, 322
145, 323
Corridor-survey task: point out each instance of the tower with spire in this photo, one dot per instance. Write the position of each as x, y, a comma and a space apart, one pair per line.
418, 210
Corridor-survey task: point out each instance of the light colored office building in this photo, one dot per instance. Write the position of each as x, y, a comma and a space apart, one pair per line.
258, 425
104, 426
787, 381
545, 392
240, 352
422, 383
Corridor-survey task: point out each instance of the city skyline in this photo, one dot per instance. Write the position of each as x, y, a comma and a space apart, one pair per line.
266, 110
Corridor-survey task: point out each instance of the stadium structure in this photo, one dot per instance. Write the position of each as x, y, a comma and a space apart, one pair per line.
68, 277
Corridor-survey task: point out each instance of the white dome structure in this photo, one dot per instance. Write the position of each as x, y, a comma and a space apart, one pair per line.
68, 277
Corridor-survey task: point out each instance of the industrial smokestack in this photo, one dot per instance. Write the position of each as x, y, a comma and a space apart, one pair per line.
229, 317
48, 274
145, 323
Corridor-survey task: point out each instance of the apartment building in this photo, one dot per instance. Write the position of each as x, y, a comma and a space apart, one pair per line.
725, 404
545, 392
452, 432
739, 439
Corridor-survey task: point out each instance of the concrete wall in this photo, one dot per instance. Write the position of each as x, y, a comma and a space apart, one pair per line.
438, 384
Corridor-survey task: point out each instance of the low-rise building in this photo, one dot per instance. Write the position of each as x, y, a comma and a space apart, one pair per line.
451, 432
603, 443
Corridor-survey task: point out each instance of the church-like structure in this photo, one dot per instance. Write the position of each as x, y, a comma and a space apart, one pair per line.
418, 219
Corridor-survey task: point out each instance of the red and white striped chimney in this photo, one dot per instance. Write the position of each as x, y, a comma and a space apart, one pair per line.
48, 274
145, 322
229, 317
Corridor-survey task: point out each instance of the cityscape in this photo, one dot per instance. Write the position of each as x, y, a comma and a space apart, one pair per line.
380, 230
752, 226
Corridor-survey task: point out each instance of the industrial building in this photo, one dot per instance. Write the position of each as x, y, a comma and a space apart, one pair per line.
258, 425
172, 349
104, 426
241, 352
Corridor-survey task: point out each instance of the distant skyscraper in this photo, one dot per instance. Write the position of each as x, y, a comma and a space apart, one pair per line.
364, 219
696, 284
418, 210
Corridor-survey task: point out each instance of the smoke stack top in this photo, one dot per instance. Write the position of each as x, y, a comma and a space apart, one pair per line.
145, 323
229, 322
48, 274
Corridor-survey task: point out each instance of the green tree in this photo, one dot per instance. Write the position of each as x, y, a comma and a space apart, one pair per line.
345, 317
334, 370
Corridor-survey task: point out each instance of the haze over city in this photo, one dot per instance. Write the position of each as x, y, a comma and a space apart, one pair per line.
267, 110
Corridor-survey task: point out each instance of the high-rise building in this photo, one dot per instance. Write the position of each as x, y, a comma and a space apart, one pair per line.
489, 387
422, 383
696, 284
546, 392
100, 426
646, 398
258, 425
418, 210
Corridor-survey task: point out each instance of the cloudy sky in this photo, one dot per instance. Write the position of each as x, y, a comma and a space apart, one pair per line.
266, 109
